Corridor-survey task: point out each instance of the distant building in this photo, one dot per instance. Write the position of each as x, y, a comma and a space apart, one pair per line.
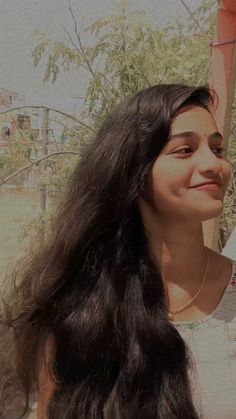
27, 118
10, 122
7, 97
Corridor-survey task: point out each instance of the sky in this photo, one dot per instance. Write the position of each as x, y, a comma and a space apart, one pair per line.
19, 19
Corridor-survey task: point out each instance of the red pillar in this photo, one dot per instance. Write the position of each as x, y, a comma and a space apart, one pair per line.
222, 80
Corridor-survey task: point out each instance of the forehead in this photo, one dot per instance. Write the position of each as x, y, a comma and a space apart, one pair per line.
194, 119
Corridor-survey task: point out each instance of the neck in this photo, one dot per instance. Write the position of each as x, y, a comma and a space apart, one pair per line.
178, 249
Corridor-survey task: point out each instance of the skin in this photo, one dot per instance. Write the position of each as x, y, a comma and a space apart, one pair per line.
173, 212
46, 386
172, 215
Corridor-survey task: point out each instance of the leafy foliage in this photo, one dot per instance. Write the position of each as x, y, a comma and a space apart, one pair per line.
127, 53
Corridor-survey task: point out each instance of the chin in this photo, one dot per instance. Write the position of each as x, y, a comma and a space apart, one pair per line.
212, 213
203, 211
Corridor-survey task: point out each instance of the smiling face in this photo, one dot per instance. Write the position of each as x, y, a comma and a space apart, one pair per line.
193, 155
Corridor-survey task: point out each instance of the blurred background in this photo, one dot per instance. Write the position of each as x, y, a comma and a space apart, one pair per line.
64, 65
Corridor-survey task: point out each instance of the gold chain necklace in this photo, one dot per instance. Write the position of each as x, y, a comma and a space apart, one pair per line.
172, 312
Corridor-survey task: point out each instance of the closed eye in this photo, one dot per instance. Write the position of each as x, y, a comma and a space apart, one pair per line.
220, 150
182, 149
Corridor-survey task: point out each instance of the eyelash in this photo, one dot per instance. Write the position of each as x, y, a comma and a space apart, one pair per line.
188, 148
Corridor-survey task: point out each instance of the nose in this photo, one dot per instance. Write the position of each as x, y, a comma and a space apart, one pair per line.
208, 160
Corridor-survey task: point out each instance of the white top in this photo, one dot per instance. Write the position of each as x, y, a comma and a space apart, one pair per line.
212, 342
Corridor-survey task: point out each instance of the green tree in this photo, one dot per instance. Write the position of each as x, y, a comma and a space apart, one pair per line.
129, 53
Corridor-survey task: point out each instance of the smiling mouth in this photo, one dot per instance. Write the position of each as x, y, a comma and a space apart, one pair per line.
208, 187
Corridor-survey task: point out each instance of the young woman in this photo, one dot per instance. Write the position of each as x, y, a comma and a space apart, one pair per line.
126, 313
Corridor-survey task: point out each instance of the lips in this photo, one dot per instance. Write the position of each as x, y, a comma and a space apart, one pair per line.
206, 183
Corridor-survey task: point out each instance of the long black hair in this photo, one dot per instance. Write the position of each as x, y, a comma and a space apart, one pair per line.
93, 287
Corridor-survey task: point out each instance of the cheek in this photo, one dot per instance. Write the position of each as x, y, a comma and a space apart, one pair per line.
168, 180
169, 174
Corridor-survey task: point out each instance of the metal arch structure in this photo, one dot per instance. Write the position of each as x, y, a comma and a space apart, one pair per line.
222, 80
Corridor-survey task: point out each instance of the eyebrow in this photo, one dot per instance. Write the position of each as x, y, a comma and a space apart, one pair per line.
187, 134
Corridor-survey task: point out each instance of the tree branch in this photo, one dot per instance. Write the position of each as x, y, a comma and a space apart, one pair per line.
72, 41
35, 162
82, 48
82, 55
50, 109
65, 127
79, 40
193, 17
75, 46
